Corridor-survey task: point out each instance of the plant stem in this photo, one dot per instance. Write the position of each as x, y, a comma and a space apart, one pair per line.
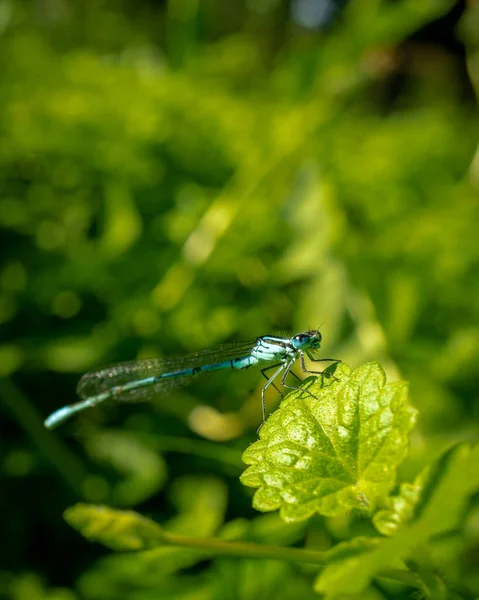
296, 555
247, 549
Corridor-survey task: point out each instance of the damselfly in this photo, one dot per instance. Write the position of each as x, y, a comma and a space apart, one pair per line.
145, 379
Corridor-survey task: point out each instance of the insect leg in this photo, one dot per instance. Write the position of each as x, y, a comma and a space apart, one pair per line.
305, 370
293, 387
268, 383
263, 372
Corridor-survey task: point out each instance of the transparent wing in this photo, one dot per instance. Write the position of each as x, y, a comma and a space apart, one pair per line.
99, 382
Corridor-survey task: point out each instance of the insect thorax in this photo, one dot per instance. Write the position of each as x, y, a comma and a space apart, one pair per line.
271, 348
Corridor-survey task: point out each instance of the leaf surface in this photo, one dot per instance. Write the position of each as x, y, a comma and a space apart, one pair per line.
332, 446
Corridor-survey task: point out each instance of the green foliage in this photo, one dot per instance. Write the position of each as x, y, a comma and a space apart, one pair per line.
441, 493
199, 506
295, 448
119, 530
439, 508
142, 469
401, 507
333, 446
175, 175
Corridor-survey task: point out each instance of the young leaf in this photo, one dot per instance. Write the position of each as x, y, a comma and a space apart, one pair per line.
400, 508
332, 446
438, 494
117, 529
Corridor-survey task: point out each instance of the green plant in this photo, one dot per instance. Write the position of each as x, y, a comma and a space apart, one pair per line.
332, 448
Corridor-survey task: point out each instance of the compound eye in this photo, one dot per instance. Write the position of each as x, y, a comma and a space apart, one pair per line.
300, 337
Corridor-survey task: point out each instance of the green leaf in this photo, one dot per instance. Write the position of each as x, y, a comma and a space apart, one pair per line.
351, 549
437, 495
117, 529
432, 586
200, 503
332, 446
446, 492
440, 505
353, 574
400, 508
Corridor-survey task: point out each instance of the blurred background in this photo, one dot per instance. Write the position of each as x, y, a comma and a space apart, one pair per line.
176, 175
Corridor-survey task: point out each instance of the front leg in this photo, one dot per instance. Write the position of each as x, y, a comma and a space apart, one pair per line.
305, 370
336, 360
